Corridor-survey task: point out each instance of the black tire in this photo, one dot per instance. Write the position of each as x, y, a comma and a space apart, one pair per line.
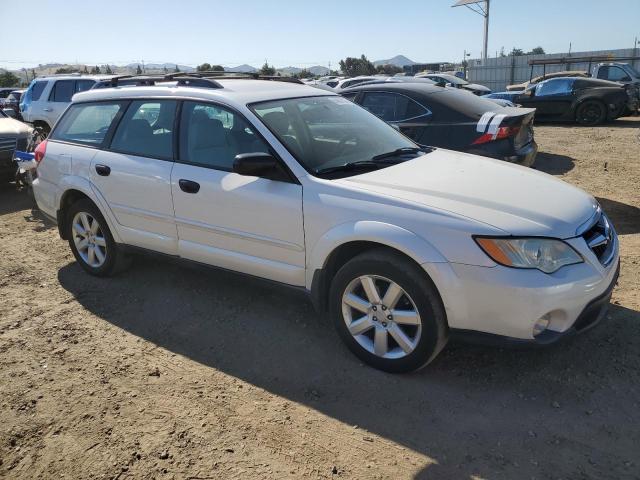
591, 112
115, 260
416, 283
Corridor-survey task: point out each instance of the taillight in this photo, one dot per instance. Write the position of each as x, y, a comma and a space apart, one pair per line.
501, 133
40, 150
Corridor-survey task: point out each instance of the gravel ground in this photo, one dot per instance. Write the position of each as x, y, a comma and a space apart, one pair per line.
168, 371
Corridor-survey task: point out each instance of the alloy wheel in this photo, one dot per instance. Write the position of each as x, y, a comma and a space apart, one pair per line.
89, 239
381, 316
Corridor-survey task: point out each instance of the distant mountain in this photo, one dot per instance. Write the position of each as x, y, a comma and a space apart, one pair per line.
160, 67
319, 70
398, 61
244, 68
289, 70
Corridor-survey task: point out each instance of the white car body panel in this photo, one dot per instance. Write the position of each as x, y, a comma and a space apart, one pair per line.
241, 223
428, 208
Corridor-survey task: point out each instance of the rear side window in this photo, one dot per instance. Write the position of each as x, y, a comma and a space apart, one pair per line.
392, 107
560, 86
212, 136
86, 124
83, 85
146, 129
37, 90
62, 91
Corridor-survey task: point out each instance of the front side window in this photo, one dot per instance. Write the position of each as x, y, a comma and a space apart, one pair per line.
62, 91
211, 136
146, 129
392, 107
616, 74
328, 132
36, 91
560, 86
87, 124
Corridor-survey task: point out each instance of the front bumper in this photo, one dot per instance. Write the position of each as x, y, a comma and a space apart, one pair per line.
589, 318
500, 303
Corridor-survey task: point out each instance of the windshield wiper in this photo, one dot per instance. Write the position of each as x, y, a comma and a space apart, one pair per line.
400, 151
348, 167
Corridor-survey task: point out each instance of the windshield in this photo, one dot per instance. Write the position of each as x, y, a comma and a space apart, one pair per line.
327, 132
633, 71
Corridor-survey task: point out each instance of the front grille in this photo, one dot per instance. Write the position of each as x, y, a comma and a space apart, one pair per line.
7, 144
601, 239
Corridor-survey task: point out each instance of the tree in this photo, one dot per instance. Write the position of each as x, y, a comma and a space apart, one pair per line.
536, 51
176, 70
304, 73
217, 68
107, 70
8, 79
267, 70
353, 67
164, 69
63, 70
388, 69
516, 52
85, 69
95, 70
138, 70
205, 67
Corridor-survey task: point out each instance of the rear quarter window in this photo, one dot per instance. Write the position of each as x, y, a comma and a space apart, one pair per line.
86, 124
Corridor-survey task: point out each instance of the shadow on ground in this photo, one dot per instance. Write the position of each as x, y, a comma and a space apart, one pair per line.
567, 410
625, 218
553, 164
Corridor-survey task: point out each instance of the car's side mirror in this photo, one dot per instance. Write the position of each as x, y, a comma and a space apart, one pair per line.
258, 164
9, 112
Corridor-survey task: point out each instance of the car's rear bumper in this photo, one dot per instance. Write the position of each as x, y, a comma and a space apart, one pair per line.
504, 150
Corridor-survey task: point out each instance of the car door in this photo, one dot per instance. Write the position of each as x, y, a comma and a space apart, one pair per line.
243, 223
552, 98
58, 100
134, 175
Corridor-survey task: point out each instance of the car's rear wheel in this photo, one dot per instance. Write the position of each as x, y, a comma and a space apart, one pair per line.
388, 311
591, 112
91, 241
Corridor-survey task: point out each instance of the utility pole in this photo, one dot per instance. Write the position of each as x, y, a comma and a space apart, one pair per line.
481, 7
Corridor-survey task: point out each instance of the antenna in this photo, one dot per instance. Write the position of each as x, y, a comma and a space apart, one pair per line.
481, 7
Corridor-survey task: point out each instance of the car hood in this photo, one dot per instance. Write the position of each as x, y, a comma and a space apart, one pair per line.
11, 126
514, 199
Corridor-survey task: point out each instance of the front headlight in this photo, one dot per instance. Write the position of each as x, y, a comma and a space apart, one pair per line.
546, 254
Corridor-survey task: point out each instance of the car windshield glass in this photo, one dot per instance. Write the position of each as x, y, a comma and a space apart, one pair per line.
327, 132
634, 71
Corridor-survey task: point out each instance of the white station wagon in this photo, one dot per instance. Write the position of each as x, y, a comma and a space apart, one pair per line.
404, 245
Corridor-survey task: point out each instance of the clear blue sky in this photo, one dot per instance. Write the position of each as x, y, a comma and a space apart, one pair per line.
301, 32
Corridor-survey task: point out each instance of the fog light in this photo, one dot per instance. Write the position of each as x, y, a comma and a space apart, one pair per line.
541, 325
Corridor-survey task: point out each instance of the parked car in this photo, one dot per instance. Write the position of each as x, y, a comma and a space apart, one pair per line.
13, 134
4, 93
47, 97
520, 87
12, 102
404, 245
456, 82
587, 101
626, 75
450, 118
341, 84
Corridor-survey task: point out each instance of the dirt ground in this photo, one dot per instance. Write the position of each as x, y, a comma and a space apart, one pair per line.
169, 371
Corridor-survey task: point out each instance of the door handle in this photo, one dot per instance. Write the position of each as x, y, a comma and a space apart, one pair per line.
189, 186
48, 109
103, 170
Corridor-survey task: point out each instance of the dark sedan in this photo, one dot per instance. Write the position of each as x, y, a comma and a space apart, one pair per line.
449, 118
587, 101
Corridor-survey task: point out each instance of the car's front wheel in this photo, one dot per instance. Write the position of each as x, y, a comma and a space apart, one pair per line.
91, 241
388, 311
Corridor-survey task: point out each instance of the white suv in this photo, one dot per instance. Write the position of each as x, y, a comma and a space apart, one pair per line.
404, 245
47, 97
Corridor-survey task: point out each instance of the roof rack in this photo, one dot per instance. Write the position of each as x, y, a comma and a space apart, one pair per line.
197, 79
244, 76
182, 79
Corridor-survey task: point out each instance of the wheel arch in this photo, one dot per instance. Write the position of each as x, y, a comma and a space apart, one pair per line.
73, 190
346, 241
